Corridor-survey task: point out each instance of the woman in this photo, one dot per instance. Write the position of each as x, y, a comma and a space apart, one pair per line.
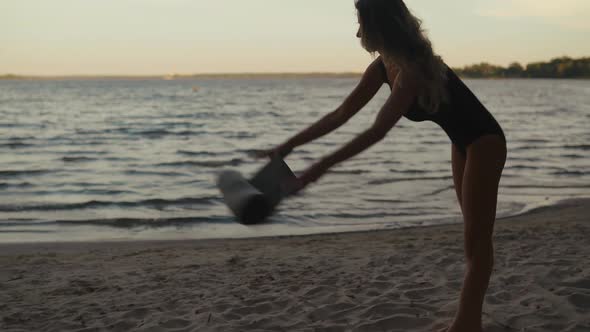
423, 88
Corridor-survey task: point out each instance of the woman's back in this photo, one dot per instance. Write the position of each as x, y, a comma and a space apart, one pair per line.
463, 117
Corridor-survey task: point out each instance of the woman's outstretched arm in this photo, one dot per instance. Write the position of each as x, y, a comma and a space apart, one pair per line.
400, 100
371, 81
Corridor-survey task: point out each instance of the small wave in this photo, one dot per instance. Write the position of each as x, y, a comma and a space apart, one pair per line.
152, 173
240, 135
571, 173
394, 180
158, 95
5, 185
522, 167
15, 173
16, 145
584, 147
157, 204
528, 147
250, 151
526, 159
552, 111
25, 231
120, 159
573, 156
350, 172
438, 191
71, 142
429, 142
77, 159
98, 133
410, 171
170, 124
132, 131
210, 163
98, 192
24, 222
547, 186
359, 216
550, 147
328, 144
87, 152
273, 114
81, 184
201, 115
396, 201
158, 133
34, 126
532, 141
200, 153
20, 138
149, 223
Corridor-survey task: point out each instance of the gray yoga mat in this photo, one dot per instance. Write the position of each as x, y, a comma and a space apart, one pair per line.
253, 201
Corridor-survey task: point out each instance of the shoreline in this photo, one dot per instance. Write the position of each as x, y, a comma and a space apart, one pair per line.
68, 246
99, 243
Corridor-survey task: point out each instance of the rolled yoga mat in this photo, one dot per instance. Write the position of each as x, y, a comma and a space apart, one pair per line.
252, 201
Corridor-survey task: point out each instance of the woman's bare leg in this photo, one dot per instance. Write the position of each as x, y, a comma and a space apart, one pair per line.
481, 177
458, 165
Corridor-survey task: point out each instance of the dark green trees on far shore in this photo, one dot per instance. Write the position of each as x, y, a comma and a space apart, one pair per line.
563, 67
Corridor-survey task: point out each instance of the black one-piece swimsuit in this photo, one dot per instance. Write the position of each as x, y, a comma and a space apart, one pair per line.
462, 117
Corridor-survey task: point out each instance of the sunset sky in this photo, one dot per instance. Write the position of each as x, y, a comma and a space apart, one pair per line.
142, 37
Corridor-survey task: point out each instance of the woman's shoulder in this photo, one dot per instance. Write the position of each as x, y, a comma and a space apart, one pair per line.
390, 69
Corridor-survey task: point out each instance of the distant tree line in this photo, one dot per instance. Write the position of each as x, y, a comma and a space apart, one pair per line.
9, 77
563, 67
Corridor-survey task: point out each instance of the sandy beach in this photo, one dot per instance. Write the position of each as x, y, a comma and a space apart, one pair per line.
399, 280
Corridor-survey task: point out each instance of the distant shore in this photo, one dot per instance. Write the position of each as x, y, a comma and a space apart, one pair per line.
237, 76
557, 68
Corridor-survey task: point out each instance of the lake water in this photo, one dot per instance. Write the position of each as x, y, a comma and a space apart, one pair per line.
137, 159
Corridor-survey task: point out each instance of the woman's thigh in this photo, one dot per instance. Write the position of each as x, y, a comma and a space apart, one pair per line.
483, 168
458, 167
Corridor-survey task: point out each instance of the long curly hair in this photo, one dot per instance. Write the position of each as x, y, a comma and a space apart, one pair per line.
389, 28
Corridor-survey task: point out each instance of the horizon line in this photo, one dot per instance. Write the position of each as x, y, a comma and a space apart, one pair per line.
184, 76
239, 74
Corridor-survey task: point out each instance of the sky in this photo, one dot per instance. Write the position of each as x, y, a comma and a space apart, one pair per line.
145, 37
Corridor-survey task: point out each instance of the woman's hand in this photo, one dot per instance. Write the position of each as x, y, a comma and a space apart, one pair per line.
280, 151
292, 186
313, 173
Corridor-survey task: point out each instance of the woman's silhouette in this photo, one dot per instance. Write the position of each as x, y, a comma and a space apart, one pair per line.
423, 88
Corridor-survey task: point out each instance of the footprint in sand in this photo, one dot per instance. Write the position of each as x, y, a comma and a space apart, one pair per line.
580, 301
582, 283
175, 323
